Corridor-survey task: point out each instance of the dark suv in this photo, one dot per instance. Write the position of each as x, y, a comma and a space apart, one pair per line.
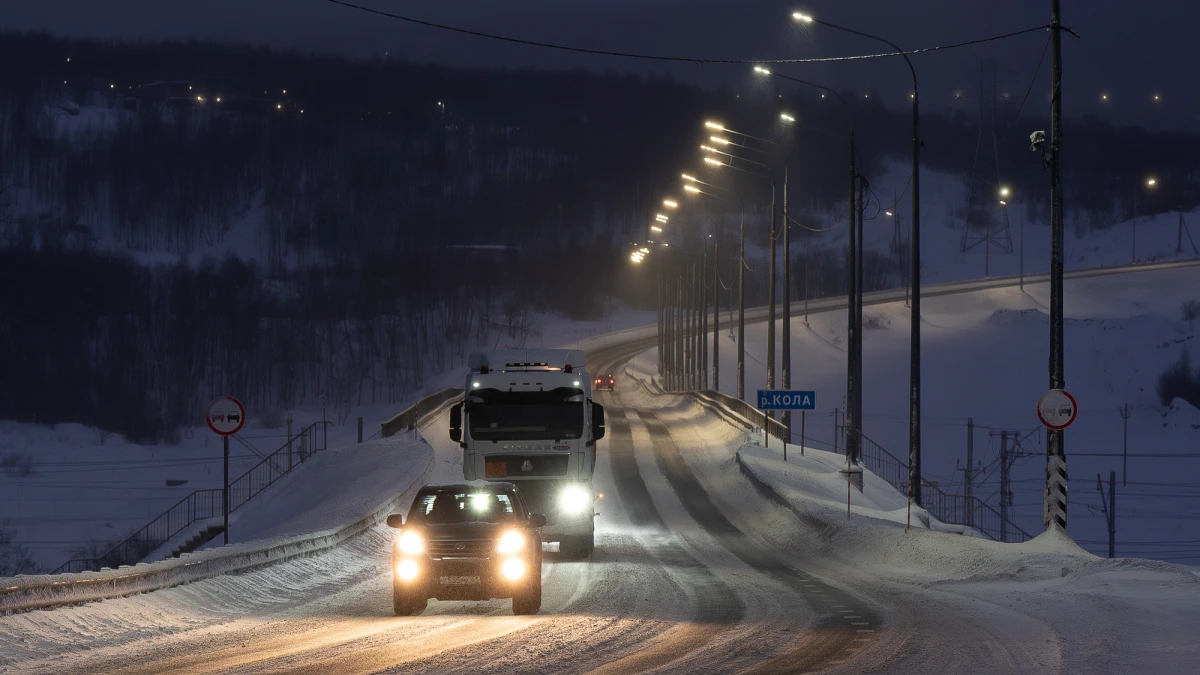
470, 541
605, 382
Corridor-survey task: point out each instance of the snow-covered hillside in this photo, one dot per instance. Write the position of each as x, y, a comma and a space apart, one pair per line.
984, 357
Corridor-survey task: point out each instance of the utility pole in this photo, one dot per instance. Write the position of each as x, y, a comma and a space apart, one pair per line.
659, 320
701, 343
225, 492
679, 334
1179, 235
1005, 487
858, 326
787, 303
716, 354
771, 299
1110, 509
969, 472
1125, 444
1056, 459
741, 334
851, 321
1022, 252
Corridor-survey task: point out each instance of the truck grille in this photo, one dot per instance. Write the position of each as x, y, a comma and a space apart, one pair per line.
471, 548
525, 466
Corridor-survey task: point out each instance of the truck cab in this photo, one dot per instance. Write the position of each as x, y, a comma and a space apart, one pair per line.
527, 417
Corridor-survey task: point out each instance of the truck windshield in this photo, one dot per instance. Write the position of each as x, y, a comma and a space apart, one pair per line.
495, 415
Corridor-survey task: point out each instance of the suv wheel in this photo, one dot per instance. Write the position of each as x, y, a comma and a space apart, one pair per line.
529, 601
405, 603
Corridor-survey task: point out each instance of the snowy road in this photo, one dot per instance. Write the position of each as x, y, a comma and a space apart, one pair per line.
695, 571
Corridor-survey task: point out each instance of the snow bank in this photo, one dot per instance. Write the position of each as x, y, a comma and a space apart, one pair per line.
348, 494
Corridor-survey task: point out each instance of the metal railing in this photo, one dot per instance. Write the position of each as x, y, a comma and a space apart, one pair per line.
948, 508
206, 504
408, 419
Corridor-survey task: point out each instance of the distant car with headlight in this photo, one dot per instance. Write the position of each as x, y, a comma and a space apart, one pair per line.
469, 541
605, 383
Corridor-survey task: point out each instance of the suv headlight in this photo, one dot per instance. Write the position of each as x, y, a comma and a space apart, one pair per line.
574, 499
510, 542
410, 543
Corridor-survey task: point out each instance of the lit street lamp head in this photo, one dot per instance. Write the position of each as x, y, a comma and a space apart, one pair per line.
786, 117
691, 188
802, 18
1151, 182
660, 218
1003, 192
714, 125
761, 71
710, 160
688, 178
670, 204
718, 139
655, 228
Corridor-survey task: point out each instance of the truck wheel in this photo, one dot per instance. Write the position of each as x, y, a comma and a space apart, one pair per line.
529, 601
575, 548
404, 603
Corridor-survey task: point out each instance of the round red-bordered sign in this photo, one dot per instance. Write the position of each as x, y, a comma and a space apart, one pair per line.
225, 415
1057, 409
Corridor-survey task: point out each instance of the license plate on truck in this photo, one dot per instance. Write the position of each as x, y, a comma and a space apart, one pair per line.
496, 470
458, 581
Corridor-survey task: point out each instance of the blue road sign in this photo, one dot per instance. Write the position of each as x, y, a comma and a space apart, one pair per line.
774, 399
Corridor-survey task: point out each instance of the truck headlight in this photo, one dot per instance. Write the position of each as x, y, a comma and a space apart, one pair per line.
410, 543
574, 499
511, 542
513, 569
407, 570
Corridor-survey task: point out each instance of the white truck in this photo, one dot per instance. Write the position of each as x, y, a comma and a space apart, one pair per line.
528, 418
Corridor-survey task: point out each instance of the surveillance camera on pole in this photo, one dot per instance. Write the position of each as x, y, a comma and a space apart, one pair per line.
1036, 139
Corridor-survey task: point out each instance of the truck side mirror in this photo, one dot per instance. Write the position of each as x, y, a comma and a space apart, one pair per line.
537, 520
597, 421
395, 520
456, 423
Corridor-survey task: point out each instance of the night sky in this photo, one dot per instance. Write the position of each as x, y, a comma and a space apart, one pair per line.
1129, 50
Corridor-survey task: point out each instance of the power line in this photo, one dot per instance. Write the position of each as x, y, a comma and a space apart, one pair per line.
1032, 81
679, 59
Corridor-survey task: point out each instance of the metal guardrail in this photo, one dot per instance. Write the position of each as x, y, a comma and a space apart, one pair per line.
205, 504
948, 508
409, 418
27, 592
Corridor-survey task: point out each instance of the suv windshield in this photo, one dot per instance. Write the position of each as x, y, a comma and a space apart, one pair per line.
448, 508
495, 415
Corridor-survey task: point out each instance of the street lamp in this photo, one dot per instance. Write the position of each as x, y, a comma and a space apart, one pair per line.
670, 204
853, 285
741, 336
1151, 183
787, 258
692, 189
914, 414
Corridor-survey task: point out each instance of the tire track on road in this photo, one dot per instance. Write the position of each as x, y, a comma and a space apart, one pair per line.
846, 624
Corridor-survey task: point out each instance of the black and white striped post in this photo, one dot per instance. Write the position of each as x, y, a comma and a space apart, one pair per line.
1057, 410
